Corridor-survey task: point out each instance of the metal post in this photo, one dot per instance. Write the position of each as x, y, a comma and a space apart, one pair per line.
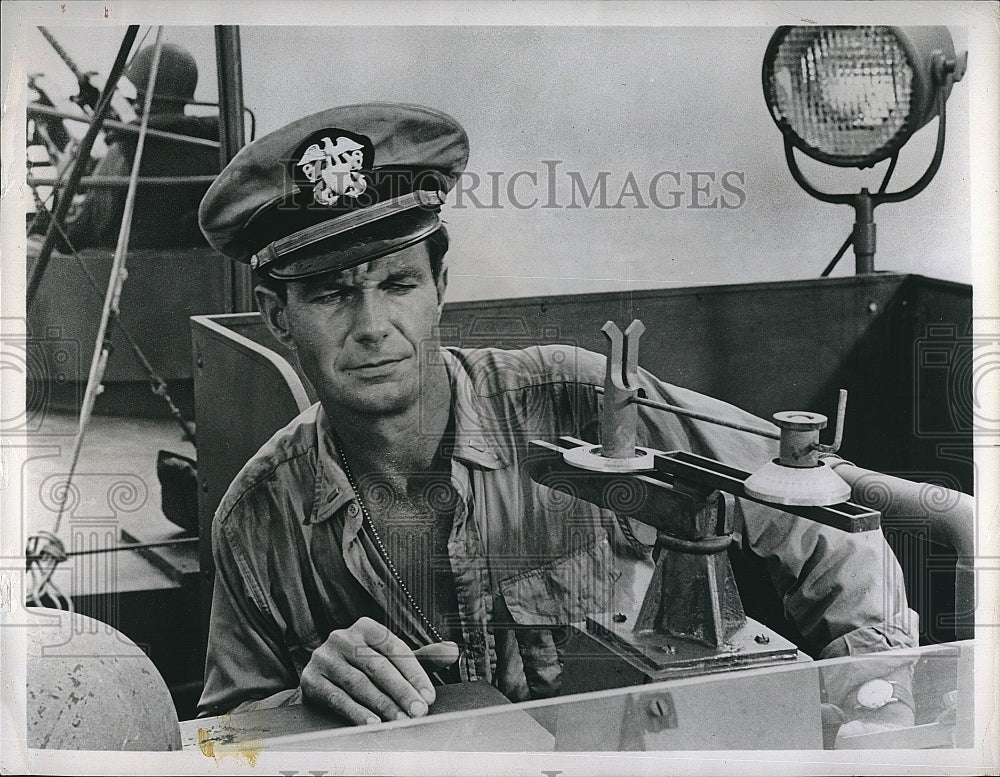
619, 415
864, 233
231, 136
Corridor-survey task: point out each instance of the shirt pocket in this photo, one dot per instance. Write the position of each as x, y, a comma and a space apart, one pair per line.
564, 590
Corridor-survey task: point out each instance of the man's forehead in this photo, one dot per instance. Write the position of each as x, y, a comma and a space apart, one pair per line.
408, 262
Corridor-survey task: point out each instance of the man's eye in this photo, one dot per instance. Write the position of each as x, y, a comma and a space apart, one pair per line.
400, 288
331, 296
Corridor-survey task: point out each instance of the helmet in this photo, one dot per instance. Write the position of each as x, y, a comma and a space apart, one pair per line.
176, 78
89, 687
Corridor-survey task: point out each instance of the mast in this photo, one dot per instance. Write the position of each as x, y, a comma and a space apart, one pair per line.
238, 282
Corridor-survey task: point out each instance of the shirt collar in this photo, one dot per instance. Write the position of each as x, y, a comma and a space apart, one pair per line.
472, 446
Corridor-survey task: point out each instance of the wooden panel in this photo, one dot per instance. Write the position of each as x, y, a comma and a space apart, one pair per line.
763, 347
252, 327
777, 346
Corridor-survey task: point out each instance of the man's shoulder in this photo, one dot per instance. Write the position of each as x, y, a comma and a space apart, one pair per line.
498, 370
292, 446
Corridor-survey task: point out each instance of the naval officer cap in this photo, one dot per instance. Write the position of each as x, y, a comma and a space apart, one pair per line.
335, 189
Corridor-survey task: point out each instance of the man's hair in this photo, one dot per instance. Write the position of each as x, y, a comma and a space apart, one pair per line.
437, 247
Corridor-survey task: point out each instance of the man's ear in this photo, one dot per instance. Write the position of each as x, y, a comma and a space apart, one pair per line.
273, 310
442, 285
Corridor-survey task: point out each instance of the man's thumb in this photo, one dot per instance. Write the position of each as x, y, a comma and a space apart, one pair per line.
437, 656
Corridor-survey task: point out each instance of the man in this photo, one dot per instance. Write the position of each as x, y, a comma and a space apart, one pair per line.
396, 520
164, 216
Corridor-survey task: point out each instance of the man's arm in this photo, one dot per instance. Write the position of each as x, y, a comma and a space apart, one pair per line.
246, 659
363, 673
843, 592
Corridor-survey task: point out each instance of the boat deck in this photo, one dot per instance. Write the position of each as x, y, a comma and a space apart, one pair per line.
114, 488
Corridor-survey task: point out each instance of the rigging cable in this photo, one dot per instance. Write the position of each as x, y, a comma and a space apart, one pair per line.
158, 384
45, 550
38, 271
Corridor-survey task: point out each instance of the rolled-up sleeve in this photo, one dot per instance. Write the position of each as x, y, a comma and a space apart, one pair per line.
246, 659
842, 591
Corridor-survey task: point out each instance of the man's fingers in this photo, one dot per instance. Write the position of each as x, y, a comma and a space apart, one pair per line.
366, 685
335, 674
402, 658
323, 693
403, 695
377, 686
366, 672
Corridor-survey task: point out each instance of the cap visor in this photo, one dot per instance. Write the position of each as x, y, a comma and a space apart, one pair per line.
362, 244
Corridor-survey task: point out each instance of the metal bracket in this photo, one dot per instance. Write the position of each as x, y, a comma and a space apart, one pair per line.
621, 386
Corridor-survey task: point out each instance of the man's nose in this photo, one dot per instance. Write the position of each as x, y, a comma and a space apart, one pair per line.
371, 319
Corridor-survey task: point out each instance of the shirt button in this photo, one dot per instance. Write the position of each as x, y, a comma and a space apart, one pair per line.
352, 510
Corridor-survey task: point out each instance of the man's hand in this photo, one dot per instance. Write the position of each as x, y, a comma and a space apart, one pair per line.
366, 674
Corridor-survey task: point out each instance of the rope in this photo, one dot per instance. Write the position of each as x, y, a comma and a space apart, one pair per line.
63, 55
134, 546
44, 553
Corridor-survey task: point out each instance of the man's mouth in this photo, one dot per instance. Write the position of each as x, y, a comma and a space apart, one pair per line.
376, 366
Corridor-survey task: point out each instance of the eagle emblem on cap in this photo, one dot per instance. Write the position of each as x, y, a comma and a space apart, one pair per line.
332, 167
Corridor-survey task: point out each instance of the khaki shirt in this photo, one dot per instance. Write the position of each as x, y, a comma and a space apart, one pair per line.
293, 563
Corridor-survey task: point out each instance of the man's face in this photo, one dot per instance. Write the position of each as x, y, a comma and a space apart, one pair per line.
358, 332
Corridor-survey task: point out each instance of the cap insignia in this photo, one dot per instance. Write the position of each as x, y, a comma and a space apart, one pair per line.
333, 165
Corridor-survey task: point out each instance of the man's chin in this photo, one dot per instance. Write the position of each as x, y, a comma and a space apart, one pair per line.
377, 400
